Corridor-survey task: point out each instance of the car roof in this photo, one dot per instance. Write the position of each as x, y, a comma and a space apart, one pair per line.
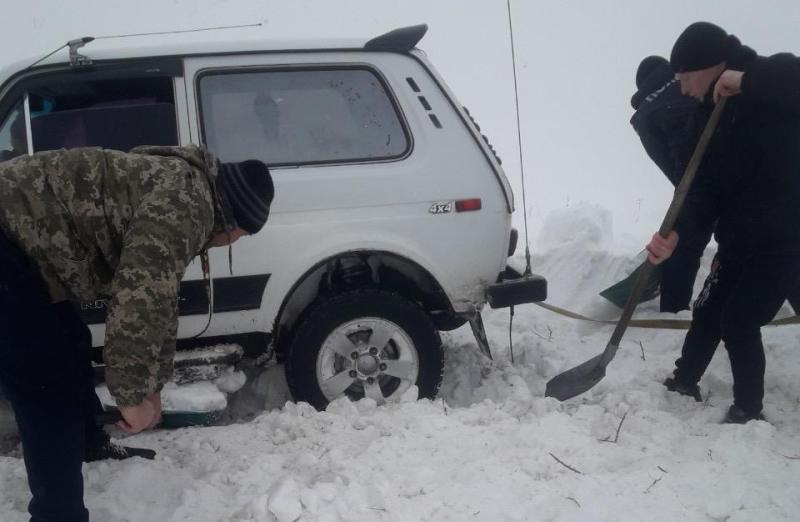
163, 45
119, 50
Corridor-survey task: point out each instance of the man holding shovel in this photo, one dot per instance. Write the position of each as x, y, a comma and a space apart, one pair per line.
750, 185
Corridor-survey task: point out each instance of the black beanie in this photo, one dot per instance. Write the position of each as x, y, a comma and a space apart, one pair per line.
646, 67
247, 191
700, 46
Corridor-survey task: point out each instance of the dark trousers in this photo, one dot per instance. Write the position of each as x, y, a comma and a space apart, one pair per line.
46, 374
680, 270
739, 297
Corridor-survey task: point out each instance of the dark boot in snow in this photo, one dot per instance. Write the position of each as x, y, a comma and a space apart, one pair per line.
736, 415
110, 450
690, 390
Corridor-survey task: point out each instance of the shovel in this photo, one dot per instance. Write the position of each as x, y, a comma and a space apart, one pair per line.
169, 419
583, 377
199, 364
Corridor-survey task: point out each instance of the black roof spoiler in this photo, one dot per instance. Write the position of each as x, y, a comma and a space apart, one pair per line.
400, 40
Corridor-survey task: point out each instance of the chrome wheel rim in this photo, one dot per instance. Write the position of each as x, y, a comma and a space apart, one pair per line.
367, 357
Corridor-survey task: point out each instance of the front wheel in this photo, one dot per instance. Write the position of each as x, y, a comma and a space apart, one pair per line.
364, 343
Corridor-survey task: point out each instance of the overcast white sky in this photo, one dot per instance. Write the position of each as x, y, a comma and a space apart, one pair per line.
576, 63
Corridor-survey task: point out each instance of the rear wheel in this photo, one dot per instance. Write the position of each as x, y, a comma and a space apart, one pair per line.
364, 343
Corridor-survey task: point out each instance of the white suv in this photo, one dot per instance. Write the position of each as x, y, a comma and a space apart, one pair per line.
392, 215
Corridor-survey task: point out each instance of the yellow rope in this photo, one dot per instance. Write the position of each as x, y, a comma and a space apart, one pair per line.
663, 324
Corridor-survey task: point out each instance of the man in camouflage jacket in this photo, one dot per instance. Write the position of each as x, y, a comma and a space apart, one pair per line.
80, 224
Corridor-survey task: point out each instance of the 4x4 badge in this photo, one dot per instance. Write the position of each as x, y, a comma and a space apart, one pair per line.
441, 207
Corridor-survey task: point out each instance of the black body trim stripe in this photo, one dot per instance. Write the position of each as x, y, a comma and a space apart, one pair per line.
231, 294
192, 299
234, 294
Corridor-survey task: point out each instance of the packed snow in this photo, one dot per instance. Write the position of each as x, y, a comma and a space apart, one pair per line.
491, 447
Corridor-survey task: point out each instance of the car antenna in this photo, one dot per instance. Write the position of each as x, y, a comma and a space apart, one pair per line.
198, 30
519, 140
84, 40
528, 272
78, 59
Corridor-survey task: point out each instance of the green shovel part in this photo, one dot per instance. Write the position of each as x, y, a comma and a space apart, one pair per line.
618, 293
169, 419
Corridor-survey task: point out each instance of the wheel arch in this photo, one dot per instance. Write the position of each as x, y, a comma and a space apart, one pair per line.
355, 269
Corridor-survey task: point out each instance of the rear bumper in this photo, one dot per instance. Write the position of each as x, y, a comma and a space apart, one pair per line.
514, 289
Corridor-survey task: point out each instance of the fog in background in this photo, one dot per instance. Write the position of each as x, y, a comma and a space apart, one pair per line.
576, 62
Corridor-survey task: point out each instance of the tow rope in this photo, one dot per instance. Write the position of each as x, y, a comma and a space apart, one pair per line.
656, 324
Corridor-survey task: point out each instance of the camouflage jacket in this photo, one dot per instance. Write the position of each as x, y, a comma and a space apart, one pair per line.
102, 223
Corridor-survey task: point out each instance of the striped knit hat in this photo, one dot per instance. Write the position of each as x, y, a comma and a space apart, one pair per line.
246, 191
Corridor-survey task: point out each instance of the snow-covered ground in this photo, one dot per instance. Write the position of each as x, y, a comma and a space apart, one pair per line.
491, 448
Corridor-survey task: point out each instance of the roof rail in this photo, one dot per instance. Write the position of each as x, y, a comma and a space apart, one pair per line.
400, 40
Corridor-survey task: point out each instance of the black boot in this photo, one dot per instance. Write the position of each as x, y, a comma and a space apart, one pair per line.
736, 415
110, 450
690, 390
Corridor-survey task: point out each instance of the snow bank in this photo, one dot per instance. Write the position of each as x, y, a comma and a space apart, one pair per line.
588, 227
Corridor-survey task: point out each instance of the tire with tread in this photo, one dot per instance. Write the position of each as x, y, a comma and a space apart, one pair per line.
330, 313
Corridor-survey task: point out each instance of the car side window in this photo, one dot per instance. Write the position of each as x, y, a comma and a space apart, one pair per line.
113, 114
300, 116
13, 141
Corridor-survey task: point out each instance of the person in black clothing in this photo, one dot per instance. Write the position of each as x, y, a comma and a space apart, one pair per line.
749, 183
668, 125
664, 117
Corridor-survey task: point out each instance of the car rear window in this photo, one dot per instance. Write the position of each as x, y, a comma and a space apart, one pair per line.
300, 116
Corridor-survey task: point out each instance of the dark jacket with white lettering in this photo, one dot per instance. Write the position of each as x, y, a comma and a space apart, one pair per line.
668, 126
663, 120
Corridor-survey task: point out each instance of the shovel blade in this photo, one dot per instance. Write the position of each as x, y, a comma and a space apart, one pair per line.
577, 380
169, 420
